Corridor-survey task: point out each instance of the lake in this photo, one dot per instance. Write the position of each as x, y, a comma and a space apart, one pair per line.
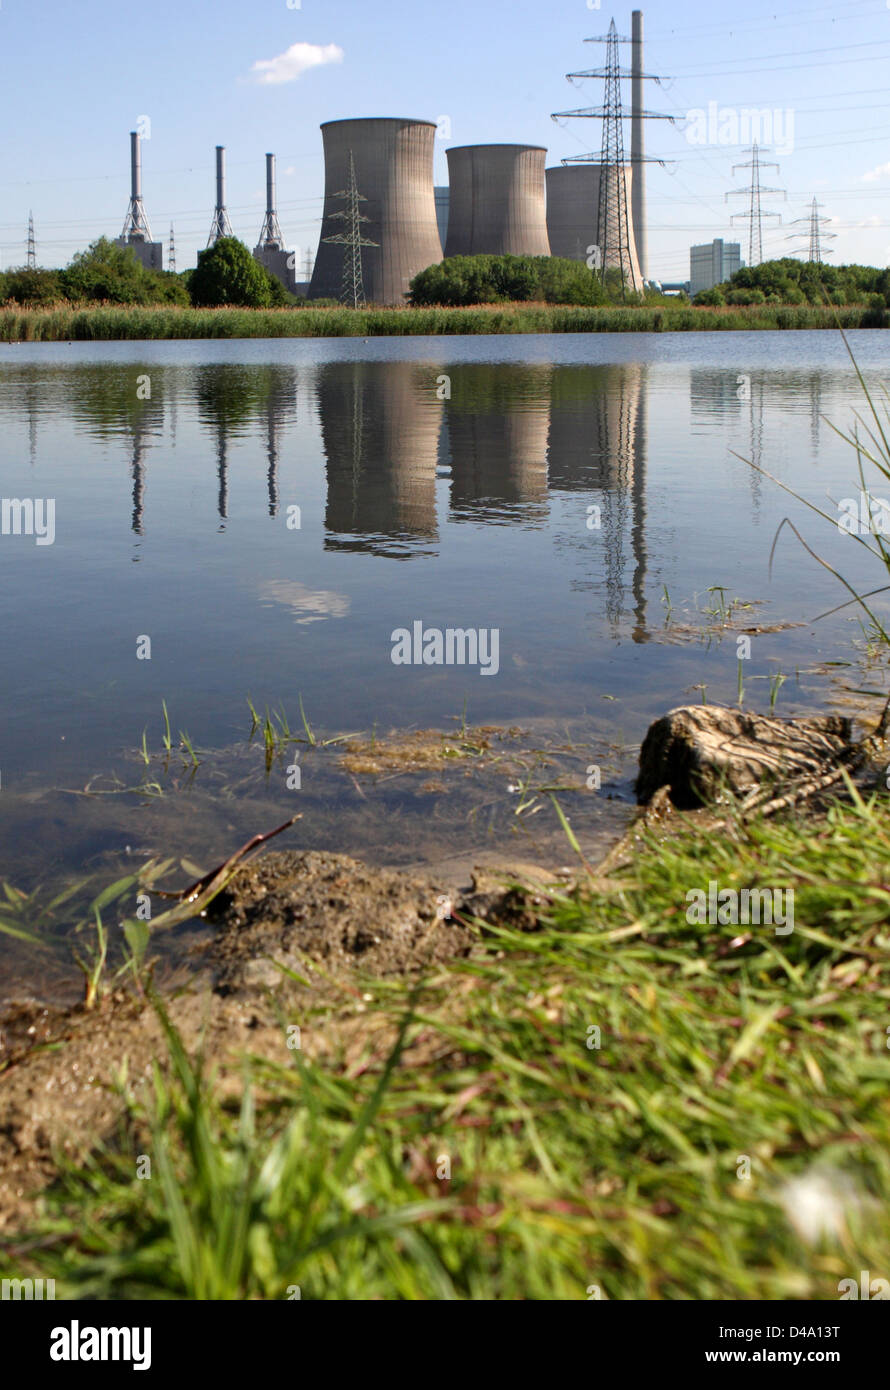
546, 533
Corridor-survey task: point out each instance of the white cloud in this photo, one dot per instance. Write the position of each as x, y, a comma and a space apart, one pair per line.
877, 173
296, 60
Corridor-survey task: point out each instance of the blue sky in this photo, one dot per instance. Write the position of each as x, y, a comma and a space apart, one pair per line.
74, 79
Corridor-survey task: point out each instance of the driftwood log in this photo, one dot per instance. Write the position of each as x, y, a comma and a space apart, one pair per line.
704, 752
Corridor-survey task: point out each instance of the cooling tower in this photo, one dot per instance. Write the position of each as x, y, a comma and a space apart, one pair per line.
497, 202
393, 162
573, 193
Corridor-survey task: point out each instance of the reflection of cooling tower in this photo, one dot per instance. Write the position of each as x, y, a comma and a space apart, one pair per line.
394, 174
497, 430
573, 194
497, 201
380, 424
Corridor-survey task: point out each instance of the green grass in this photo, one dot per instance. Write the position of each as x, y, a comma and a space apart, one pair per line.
574, 1168
64, 323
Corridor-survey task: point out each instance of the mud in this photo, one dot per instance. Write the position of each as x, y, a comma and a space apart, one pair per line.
334, 922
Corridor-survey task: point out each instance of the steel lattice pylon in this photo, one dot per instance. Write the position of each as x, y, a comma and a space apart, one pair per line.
32, 247
352, 241
613, 221
755, 214
815, 223
171, 254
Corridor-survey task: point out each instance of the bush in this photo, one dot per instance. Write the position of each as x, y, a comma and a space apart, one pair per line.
714, 297
31, 286
227, 273
461, 280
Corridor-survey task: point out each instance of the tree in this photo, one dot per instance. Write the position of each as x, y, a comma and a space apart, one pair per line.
227, 273
27, 285
499, 279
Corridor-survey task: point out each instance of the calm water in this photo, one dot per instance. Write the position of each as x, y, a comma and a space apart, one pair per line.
451, 482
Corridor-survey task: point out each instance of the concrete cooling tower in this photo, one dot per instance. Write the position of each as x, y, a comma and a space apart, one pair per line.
497, 201
393, 162
573, 194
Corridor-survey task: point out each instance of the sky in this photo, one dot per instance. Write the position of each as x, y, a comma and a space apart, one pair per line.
258, 75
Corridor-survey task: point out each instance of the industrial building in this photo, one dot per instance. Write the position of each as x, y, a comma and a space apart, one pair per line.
220, 226
270, 250
393, 164
713, 263
573, 196
137, 233
497, 201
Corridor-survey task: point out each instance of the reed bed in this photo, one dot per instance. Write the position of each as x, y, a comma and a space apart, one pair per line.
116, 322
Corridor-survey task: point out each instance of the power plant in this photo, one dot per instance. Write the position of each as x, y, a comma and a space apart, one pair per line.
137, 233
384, 220
270, 250
497, 202
393, 164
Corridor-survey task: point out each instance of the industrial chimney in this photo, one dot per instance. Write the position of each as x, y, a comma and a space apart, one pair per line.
137, 233
393, 162
497, 201
637, 151
221, 225
270, 250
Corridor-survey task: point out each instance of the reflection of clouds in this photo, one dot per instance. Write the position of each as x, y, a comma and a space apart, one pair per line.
307, 605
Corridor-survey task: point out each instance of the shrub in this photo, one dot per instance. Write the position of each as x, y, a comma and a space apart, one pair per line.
461, 280
227, 273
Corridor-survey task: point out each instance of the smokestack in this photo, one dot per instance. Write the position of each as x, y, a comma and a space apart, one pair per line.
220, 178
270, 185
221, 225
135, 167
637, 185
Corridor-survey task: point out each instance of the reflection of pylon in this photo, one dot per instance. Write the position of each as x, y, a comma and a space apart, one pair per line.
352, 241
815, 223
755, 214
32, 247
612, 218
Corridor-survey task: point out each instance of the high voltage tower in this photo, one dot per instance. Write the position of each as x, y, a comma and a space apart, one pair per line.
755, 214
816, 235
613, 224
352, 241
171, 253
32, 247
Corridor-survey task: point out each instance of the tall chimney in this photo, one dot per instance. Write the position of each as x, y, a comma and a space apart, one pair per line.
135, 167
221, 225
270, 185
637, 152
220, 177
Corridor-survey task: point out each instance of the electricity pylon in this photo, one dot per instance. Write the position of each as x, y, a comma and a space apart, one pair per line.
816, 235
171, 254
755, 214
612, 217
352, 241
32, 247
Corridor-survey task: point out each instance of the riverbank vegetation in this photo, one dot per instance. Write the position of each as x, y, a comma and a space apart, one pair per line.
790, 281
70, 323
615, 1104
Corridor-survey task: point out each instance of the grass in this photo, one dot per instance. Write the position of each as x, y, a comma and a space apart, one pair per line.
110, 322
599, 1088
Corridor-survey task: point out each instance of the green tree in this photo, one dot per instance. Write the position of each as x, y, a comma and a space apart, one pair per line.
227, 273
31, 286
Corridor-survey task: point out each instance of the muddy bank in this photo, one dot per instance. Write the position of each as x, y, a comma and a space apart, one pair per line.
327, 919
